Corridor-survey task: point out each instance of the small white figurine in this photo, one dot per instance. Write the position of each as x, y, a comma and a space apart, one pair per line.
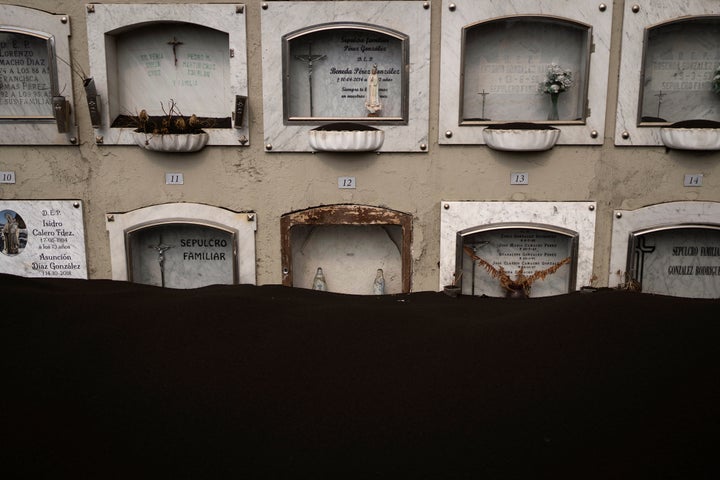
372, 99
319, 281
379, 283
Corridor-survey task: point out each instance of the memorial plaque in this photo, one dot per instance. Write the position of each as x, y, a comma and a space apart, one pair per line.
499, 261
680, 61
505, 62
42, 238
185, 62
26, 76
343, 72
182, 255
682, 261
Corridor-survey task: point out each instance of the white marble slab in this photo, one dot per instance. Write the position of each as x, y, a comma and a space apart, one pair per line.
575, 216
49, 238
671, 214
652, 13
211, 65
524, 59
32, 68
410, 18
242, 224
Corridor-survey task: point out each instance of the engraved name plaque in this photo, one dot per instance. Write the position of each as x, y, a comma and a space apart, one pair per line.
516, 260
26, 76
43, 238
345, 71
182, 255
681, 261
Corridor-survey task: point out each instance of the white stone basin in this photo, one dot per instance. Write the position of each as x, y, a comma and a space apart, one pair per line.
521, 139
689, 138
171, 142
346, 139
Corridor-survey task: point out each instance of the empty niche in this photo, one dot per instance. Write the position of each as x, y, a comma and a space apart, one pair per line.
350, 243
190, 61
674, 98
516, 260
36, 91
182, 245
507, 60
512, 69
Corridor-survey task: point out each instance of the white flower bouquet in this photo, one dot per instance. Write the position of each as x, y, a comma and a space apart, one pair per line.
557, 79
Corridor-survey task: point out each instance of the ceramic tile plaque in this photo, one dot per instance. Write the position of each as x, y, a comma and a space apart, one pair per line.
182, 245
503, 260
496, 58
149, 56
531, 235
182, 255
669, 56
360, 64
42, 238
36, 92
682, 261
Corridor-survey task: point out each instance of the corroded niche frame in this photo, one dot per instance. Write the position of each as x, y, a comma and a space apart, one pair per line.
58, 126
407, 132
111, 24
289, 52
142, 228
347, 215
463, 236
459, 15
581, 77
640, 17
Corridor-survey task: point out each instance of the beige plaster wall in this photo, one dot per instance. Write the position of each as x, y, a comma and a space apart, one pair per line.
123, 178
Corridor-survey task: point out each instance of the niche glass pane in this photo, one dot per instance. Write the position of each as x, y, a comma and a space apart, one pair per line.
26, 76
682, 262
328, 71
182, 256
161, 62
493, 260
506, 60
680, 61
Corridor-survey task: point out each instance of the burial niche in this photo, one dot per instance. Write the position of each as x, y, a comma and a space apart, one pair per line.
678, 260
529, 68
516, 260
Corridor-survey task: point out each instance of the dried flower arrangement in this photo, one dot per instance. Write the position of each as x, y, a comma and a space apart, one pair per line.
716, 81
172, 121
520, 286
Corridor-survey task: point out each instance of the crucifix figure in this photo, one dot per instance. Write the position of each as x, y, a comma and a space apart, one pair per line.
484, 94
161, 248
175, 42
660, 97
309, 59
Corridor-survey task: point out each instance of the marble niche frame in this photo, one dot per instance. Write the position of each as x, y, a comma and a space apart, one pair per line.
55, 29
662, 216
457, 15
242, 225
104, 20
638, 17
409, 18
578, 217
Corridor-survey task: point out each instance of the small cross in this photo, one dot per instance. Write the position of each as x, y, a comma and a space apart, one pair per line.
174, 42
660, 97
484, 94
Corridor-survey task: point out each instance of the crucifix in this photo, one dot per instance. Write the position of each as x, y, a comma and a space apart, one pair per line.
484, 94
309, 59
175, 42
161, 248
660, 97
641, 248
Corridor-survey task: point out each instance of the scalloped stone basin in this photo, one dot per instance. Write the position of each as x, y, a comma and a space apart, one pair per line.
172, 142
692, 135
346, 138
521, 137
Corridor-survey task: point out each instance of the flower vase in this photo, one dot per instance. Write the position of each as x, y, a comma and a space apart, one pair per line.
554, 115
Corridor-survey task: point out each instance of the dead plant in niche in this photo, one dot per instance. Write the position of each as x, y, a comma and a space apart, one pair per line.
520, 286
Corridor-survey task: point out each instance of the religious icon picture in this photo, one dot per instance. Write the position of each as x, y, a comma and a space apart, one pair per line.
13, 237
